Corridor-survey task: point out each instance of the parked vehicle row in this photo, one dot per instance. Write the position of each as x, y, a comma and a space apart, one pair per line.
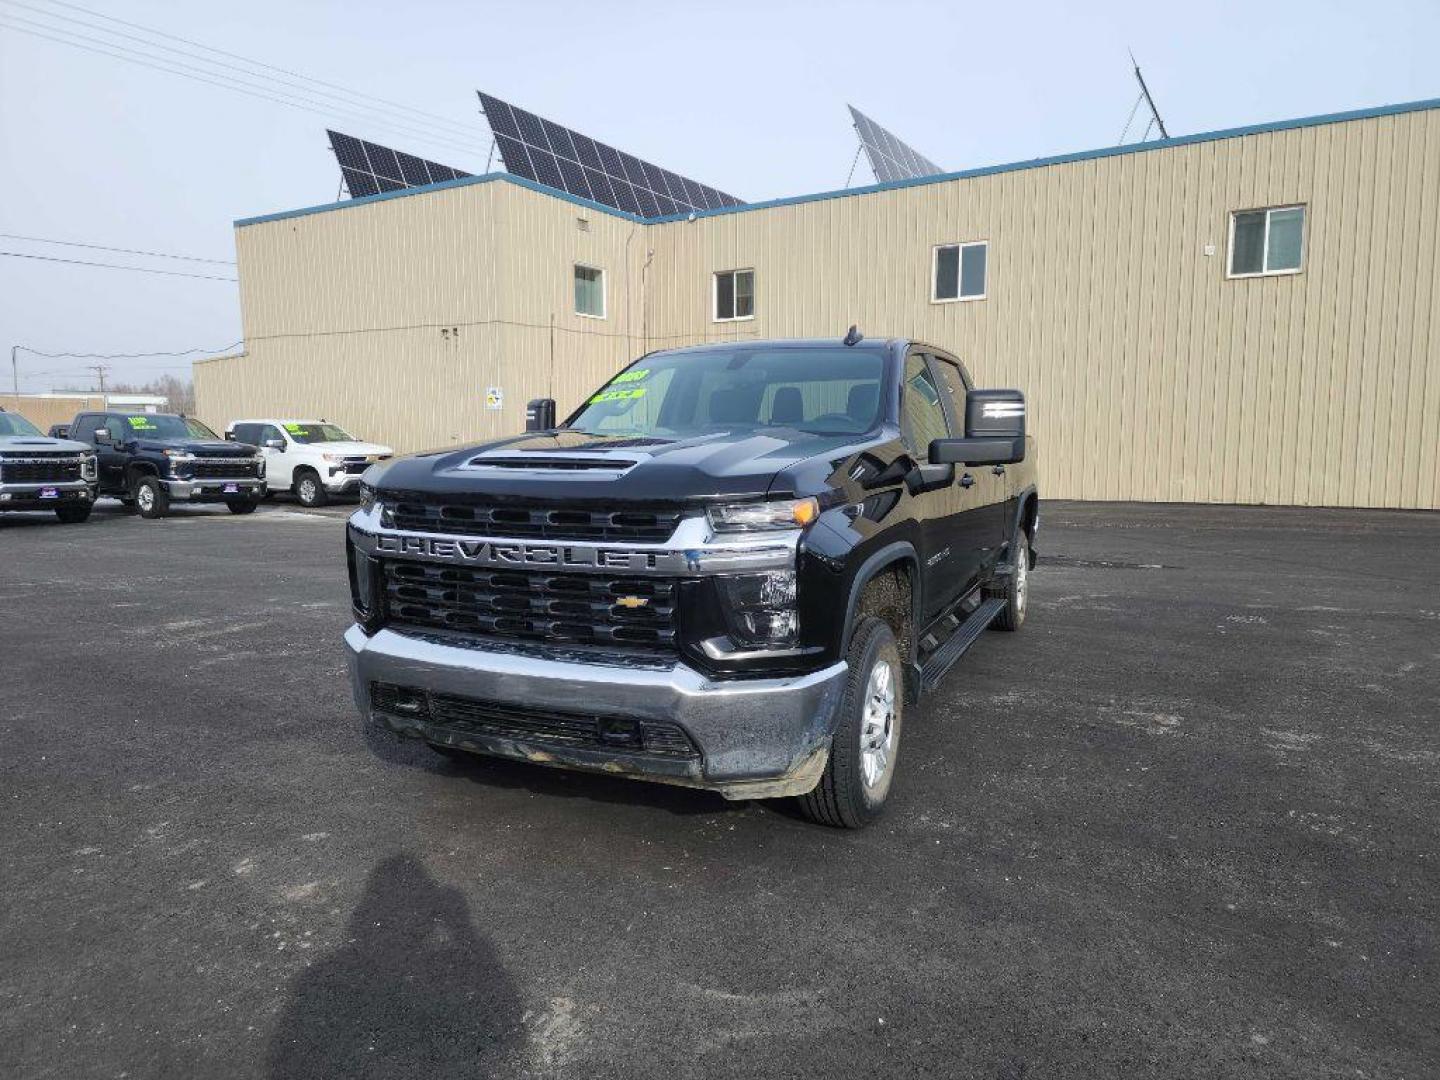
154, 462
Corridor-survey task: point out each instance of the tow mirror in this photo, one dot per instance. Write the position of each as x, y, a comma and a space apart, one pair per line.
102, 435
540, 415
274, 444
994, 431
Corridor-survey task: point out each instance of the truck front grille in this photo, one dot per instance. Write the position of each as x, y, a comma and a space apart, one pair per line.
520, 522
223, 469
586, 609
526, 723
39, 472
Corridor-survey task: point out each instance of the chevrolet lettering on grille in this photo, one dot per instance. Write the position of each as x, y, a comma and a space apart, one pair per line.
493, 553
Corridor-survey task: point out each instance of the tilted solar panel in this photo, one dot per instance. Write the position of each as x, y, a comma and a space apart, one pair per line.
553, 155
369, 168
891, 158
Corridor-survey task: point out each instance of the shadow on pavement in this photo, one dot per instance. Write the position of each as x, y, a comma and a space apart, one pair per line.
416, 990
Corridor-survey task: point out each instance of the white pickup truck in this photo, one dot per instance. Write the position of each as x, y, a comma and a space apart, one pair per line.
313, 458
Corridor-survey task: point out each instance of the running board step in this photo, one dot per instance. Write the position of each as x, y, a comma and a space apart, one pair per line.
965, 635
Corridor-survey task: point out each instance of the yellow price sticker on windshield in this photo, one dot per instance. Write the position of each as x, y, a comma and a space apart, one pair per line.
141, 423
617, 395
296, 429
630, 376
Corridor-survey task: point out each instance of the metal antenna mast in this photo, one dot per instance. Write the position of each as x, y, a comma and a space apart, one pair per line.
1145, 93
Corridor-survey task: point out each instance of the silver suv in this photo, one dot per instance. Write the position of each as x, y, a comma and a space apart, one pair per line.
41, 473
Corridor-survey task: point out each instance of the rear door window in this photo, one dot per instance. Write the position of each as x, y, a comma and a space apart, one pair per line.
922, 417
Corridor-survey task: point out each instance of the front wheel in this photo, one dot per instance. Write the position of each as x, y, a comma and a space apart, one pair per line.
72, 515
152, 500
309, 490
242, 506
861, 769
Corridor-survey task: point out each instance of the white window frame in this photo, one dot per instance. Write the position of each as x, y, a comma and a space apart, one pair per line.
604, 290
715, 295
935, 298
1265, 247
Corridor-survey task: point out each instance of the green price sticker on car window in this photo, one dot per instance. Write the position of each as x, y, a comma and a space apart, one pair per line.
618, 395
141, 423
295, 429
630, 376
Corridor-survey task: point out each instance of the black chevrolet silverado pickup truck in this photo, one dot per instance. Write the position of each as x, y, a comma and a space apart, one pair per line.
732, 568
153, 460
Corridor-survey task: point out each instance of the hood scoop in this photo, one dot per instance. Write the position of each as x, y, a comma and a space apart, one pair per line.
552, 463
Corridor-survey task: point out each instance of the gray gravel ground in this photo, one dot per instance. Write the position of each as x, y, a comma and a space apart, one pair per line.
1183, 825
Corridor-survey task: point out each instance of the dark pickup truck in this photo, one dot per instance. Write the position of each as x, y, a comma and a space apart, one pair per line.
153, 460
732, 568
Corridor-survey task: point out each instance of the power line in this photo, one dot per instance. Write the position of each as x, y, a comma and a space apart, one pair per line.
123, 355
449, 128
260, 64
224, 82
115, 266
122, 251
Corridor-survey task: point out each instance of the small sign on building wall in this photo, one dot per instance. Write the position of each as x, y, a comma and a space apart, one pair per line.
494, 397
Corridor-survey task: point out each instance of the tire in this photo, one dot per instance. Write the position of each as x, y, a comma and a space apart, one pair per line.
72, 515
241, 506
309, 490
152, 500
858, 777
1016, 593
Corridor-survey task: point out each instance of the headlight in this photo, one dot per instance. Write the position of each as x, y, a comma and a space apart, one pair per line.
259, 460
760, 516
178, 458
334, 459
89, 468
761, 607
367, 497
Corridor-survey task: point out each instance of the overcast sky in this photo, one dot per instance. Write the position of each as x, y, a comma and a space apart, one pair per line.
748, 97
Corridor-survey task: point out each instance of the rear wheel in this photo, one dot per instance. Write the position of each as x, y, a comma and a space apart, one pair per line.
1016, 593
72, 515
152, 500
309, 490
858, 776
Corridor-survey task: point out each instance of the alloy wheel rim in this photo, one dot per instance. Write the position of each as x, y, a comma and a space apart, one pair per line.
145, 497
307, 490
877, 724
1022, 577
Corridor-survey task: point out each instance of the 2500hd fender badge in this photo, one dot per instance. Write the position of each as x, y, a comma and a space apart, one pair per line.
491, 553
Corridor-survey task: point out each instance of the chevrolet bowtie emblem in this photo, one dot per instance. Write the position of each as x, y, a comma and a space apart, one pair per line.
632, 601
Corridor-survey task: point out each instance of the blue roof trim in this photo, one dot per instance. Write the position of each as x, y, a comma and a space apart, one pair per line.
968, 174
464, 181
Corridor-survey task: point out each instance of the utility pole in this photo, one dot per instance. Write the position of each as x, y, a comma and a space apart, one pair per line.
15, 368
100, 370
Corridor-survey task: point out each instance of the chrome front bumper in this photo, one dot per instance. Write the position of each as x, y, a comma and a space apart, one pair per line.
246, 487
758, 738
342, 483
26, 496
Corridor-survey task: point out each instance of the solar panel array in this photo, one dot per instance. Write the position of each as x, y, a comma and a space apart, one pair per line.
558, 157
890, 158
370, 169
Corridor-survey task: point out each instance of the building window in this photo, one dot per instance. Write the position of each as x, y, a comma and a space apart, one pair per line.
1264, 242
589, 291
960, 272
734, 295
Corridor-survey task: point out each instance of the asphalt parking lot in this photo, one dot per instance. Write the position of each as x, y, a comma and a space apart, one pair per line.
1185, 824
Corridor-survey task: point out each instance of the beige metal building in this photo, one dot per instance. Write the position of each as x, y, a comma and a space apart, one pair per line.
44, 410
1245, 316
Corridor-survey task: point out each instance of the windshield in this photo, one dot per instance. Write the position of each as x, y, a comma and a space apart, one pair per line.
318, 433
15, 424
163, 426
823, 391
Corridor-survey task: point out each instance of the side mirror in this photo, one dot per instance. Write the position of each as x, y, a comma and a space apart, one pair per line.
540, 415
274, 444
994, 431
102, 436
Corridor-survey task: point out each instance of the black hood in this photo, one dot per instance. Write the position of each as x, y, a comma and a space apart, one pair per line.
570, 465
203, 447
